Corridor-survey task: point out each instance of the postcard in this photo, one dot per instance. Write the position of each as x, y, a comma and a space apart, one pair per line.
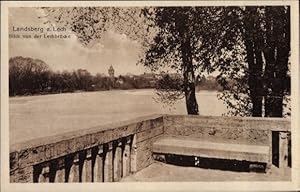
150, 96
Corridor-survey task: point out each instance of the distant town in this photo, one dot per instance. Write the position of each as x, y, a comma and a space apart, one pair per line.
29, 76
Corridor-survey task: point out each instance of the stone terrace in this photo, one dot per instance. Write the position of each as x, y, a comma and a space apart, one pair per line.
124, 151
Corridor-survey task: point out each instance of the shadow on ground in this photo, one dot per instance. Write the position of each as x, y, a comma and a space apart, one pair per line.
211, 163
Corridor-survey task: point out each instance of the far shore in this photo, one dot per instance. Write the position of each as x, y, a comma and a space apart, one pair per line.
83, 91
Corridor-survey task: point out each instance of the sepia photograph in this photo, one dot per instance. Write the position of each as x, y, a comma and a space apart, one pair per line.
146, 93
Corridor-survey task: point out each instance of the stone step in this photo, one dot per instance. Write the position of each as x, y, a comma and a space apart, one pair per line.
208, 149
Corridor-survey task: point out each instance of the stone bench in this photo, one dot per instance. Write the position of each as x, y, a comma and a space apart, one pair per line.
215, 150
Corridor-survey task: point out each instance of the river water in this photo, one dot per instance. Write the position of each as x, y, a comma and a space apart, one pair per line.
38, 116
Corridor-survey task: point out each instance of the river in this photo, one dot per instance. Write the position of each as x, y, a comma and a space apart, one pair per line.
38, 116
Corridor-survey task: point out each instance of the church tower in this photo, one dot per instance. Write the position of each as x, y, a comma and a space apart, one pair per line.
111, 72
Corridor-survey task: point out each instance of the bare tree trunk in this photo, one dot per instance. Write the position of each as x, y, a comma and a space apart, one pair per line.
276, 54
189, 77
187, 67
253, 43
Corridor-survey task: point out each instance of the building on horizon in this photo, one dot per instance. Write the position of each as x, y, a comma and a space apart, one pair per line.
111, 72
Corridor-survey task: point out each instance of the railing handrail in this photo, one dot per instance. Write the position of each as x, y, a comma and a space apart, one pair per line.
264, 123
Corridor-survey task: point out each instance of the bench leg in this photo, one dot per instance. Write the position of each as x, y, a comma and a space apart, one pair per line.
268, 167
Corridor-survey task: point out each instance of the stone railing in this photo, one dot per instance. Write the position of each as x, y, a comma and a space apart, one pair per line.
100, 154
108, 153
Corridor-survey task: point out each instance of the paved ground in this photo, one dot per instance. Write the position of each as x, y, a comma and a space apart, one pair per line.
166, 172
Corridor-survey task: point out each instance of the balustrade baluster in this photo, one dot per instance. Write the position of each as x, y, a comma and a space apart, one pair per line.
44, 174
133, 153
86, 175
74, 169
126, 157
98, 165
108, 167
117, 161
59, 171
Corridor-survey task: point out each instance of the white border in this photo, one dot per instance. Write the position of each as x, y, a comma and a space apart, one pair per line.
153, 186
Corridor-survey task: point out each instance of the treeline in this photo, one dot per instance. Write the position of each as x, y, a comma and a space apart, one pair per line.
29, 76
173, 82
208, 83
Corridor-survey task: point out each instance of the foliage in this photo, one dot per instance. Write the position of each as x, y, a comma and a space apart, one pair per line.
29, 76
258, 61
169, 89
248, 46
91, 23
185, 43
208, 83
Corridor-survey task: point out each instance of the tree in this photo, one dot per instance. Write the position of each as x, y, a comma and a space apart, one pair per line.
263, 36
253, 42
27, 75
237, 63
249, 46
276, 53
83, 79
184, 43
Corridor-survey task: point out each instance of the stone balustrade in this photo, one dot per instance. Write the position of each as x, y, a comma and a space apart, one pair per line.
111, 152
100, 154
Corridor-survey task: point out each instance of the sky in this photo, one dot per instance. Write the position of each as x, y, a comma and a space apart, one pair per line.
69, 54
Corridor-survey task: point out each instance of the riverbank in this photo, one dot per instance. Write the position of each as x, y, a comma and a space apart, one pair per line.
83, 91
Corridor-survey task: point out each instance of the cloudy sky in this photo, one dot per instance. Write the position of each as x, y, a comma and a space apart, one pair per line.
115, 49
